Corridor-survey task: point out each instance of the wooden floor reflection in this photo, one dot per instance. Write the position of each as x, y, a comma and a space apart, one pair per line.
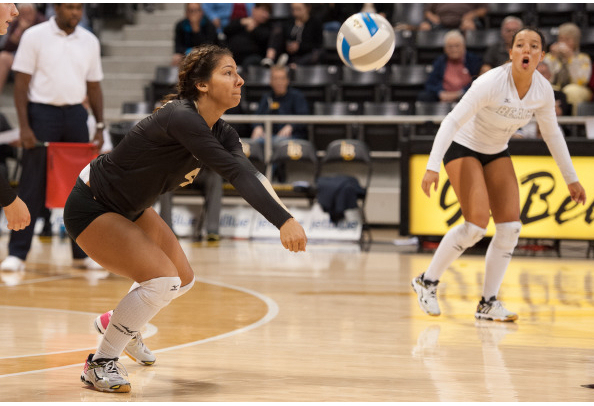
333, 324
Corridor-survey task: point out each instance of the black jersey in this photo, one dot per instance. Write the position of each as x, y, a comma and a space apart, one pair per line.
7, 193
165, 151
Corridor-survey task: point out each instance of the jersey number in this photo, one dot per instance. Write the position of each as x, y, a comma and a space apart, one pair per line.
190, 177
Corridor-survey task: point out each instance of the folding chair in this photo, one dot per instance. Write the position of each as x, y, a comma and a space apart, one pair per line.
296, 165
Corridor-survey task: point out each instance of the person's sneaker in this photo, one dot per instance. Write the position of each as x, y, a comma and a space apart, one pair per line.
135, 349
426, 294
87, 263
212, 237
282, 60
106, 375
90, 264
267, 62
492, 309
12, 264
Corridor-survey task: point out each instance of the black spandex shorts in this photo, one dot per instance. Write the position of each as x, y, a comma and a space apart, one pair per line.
81, 209
456, 151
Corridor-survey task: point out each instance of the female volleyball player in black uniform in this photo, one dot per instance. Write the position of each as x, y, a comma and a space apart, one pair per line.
15, 209
109, 211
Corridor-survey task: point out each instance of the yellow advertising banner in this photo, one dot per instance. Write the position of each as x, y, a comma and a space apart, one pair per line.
546, 209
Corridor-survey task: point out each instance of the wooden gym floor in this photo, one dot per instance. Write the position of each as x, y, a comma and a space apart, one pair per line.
332, 324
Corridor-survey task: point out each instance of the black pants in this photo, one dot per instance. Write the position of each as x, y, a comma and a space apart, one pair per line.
51, 124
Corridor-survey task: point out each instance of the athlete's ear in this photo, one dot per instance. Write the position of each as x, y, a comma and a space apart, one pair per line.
202, 87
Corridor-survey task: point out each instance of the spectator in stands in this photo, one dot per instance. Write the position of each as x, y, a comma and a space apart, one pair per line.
220, 14
462, 16
194, 30
300, 40
282, 100
56, 65
560, 97
248, 37
498, 54
571, 69
453, 71
28, 16
85, 21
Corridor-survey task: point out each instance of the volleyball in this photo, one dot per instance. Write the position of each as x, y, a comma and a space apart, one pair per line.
365, 41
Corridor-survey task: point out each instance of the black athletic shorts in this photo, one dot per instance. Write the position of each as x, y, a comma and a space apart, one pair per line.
456, 151
81, 209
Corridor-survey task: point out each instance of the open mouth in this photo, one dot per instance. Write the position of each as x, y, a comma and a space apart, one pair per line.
525, 61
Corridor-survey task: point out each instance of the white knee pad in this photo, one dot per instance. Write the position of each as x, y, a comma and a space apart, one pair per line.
468, 234
184, 289
158, 292
507, 235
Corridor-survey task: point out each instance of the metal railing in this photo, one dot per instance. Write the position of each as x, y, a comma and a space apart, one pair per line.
269, 120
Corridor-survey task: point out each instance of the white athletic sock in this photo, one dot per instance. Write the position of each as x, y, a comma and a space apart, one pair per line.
452, 245
136, 309
499, 255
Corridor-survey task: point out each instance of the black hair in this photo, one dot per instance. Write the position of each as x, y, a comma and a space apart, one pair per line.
197, 67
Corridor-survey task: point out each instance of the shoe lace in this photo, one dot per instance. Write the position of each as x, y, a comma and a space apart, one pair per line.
112, 367
431, 288
496, 304
139, 341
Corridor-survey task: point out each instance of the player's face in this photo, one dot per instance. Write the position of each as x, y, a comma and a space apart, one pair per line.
224, 86
8, 12
526, 51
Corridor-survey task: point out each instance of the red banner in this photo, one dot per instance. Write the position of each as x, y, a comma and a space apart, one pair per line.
65, 160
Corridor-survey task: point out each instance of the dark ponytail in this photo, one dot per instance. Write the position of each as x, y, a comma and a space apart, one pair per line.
196, 67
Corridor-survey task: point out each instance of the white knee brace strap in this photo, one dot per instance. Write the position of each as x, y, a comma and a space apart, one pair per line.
507, 235
469, 234
158, 292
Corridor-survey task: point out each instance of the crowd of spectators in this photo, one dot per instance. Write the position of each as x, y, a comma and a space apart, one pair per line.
257, 38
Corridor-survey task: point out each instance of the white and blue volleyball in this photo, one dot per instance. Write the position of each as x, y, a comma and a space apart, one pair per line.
365, 41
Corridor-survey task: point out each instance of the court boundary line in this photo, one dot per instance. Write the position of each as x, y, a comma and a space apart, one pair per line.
151, 329
272, 312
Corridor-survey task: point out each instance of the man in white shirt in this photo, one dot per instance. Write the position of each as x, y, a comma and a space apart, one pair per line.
56, 65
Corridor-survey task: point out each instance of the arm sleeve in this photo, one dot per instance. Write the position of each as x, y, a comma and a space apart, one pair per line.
476, 98
25, 59
178, 42
301, 108
551, 133
434, 82
580, 69
262, 109
95, 73
7, 193
245, 162
194, 134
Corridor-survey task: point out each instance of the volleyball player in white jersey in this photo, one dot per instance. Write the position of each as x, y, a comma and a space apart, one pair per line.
472, 141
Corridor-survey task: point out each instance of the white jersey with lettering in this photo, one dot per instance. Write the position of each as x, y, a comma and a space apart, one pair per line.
491, 112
